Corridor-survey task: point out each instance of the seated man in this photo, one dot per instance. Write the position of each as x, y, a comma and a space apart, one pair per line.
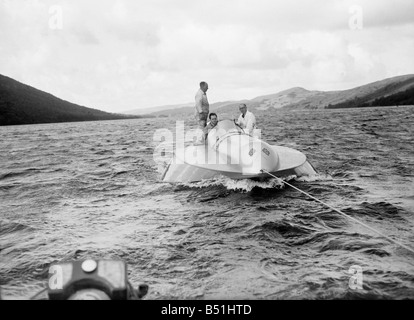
213, 122
247, 120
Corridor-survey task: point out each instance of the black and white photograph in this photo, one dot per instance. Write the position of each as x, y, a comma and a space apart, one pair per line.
213, 152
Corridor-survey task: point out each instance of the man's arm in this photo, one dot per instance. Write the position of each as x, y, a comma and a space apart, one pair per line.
251, 123
199, 102
239, 120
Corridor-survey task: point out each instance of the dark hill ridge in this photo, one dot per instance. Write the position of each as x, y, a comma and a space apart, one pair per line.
22, 104
390, 93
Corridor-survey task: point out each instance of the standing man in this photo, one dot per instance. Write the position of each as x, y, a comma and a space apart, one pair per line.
202, 107
247, 120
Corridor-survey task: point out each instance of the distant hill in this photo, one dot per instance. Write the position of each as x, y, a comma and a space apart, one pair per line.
189, 109
373, 94
402, 98
22, 104
299, 98
389, 92
157, 109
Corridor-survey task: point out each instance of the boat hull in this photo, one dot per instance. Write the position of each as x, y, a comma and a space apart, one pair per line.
290, 162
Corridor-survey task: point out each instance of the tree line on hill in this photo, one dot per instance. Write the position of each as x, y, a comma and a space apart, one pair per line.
402, 98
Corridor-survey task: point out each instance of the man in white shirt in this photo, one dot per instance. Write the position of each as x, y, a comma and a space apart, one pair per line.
202, 107
247, 120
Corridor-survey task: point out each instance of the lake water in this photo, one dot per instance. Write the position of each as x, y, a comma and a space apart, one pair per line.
93, 189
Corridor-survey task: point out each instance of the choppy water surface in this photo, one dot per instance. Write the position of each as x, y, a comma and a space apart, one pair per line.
78, 190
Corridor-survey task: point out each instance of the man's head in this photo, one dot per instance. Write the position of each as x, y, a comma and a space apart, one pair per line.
204, 86
213, 119
243, 109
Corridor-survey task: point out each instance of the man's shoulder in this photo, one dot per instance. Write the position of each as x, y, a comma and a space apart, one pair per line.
251, 114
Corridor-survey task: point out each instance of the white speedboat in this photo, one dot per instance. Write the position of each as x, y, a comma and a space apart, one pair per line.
231, 152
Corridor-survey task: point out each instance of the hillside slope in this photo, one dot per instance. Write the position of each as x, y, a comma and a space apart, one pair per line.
372, 94
365, 94
22, 104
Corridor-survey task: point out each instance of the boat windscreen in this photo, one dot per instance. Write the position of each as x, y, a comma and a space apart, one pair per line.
224, 127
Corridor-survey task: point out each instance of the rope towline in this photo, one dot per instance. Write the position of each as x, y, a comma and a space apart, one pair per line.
341, 213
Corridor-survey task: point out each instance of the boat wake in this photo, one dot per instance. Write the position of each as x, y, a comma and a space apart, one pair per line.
247, 185
243, 185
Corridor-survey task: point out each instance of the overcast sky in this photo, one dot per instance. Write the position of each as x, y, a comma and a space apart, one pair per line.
118, 55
